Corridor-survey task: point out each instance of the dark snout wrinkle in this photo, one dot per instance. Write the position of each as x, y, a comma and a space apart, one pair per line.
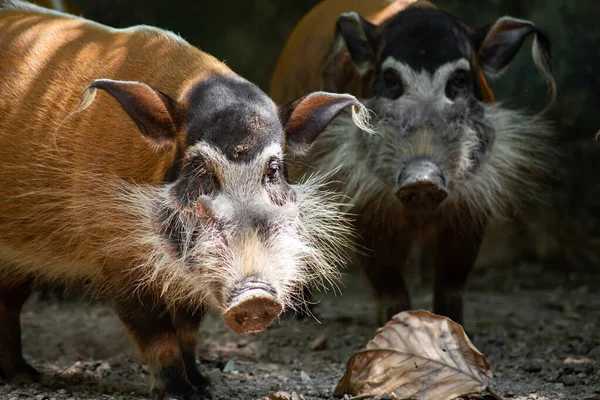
250, 284
421, 186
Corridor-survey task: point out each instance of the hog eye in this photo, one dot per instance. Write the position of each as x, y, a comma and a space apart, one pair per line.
272, 174
203, 177
457, 84
392, 85
199, 167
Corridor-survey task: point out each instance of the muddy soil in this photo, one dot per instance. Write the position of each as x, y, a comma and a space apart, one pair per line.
539, 328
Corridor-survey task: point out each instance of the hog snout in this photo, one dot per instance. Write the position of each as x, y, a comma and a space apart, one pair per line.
253, 306
421, 186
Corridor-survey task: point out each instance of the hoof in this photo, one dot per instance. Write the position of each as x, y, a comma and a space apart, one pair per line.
184, 391
194, 395
23, 373
201, 384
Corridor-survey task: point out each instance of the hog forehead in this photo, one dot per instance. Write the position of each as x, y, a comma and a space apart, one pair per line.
425, 39
235, 173
421, 81
233, 116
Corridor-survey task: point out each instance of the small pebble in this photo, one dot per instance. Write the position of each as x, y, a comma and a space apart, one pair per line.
568, 380
62, 391
594, 354
305, 378
280, 396
229, 367
532, 367
510, 394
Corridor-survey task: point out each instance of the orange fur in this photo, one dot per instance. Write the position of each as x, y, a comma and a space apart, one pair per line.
61, 195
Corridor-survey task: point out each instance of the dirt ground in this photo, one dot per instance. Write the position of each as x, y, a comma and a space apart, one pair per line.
539, 329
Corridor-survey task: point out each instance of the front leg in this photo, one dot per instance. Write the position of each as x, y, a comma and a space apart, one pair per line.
186, 324
12, 364
152, 329
384, 266
457, 249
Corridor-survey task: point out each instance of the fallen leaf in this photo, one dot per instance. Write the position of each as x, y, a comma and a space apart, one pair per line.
417, 355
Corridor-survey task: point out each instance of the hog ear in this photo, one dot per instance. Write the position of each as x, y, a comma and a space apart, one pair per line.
305, 118
155, 114
498, 43
361, 38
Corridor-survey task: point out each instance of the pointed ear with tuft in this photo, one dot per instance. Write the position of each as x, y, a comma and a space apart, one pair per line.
497, 44
305, 118
156, 115
361, 38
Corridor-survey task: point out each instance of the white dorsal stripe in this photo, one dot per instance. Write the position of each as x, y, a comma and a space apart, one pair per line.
422, 82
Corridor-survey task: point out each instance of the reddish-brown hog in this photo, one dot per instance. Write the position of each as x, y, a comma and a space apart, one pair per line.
446, 158
166, 187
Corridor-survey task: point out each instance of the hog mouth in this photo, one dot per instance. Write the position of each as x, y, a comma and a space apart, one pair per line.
253, 306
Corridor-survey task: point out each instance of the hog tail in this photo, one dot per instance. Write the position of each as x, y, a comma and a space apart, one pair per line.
87, 98
361, 117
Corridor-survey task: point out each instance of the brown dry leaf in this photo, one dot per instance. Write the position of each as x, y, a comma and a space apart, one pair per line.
417, 355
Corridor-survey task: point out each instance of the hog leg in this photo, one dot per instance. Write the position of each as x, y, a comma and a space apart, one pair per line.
383, 267
457, 251
12, 364
151, 327
186, 324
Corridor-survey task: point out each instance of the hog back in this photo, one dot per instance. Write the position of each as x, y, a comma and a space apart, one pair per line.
47, 60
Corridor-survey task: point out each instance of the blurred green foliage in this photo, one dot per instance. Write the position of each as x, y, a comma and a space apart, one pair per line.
246, 35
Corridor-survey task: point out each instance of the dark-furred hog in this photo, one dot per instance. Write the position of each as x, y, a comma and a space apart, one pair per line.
446, 158
135, 162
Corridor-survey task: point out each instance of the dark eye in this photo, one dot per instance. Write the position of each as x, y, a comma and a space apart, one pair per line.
458, 84
392, 85
203, 177
272, 174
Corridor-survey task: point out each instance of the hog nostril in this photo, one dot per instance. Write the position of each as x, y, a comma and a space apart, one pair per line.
421, 185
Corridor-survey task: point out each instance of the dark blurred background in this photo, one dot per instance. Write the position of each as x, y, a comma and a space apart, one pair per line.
249, 35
